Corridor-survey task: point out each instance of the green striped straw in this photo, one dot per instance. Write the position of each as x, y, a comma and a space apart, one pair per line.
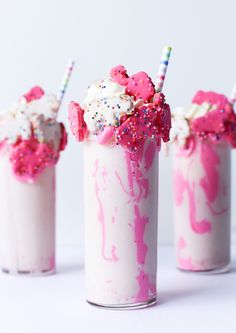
163, 68
65, 81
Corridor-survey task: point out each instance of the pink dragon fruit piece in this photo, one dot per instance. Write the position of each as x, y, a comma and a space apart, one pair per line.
76, 119
29, 158
139, 85
34, 93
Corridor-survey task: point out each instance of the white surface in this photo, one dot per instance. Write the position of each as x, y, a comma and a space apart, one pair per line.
36, 38
187, 302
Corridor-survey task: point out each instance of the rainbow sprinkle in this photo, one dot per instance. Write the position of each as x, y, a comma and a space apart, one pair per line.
163, 68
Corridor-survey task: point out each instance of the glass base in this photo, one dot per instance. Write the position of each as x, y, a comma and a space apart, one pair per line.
129, 306
212, 271
29, 273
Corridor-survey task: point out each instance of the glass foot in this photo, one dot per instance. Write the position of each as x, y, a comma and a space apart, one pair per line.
130, 306
212, 271
29, 273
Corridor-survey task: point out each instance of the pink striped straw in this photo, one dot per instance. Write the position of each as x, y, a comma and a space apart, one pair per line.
65, 81
163, 68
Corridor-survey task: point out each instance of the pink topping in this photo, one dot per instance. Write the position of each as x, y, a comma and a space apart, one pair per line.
34, 93
76, 119
218, 124
151, 120
210, 97
29, 158
139, 85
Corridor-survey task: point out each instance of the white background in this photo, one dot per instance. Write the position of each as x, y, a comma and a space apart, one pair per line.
37, 38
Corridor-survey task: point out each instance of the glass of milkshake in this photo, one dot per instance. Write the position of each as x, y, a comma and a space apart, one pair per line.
203, 135
122, 123
31, 140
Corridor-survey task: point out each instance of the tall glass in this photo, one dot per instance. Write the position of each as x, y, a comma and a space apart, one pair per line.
121, 199
202, 206
27, 222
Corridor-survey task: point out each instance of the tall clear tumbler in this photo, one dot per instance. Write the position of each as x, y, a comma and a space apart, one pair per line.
121, 200
202, 206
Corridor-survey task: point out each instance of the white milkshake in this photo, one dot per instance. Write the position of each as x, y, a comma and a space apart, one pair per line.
122, 139
31, 141
203, 134
121, 202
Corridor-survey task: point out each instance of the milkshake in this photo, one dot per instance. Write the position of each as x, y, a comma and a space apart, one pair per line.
31, 140
122, 123
203, 135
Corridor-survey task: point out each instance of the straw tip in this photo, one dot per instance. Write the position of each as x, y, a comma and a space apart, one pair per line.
71, 61
168, 48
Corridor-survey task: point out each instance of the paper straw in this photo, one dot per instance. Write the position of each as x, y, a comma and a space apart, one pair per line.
163, 68
233, 95
65, 81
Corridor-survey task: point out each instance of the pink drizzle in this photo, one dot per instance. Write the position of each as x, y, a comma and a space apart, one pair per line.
121, 183
149, 154
183, 263
139, 189
114, 216
101, 218
139, 229
145, 287
52, 262
181, 185
215, 212
210, 182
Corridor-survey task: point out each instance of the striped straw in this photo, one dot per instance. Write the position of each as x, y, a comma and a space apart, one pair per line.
163, 68
233, 95
65, 81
